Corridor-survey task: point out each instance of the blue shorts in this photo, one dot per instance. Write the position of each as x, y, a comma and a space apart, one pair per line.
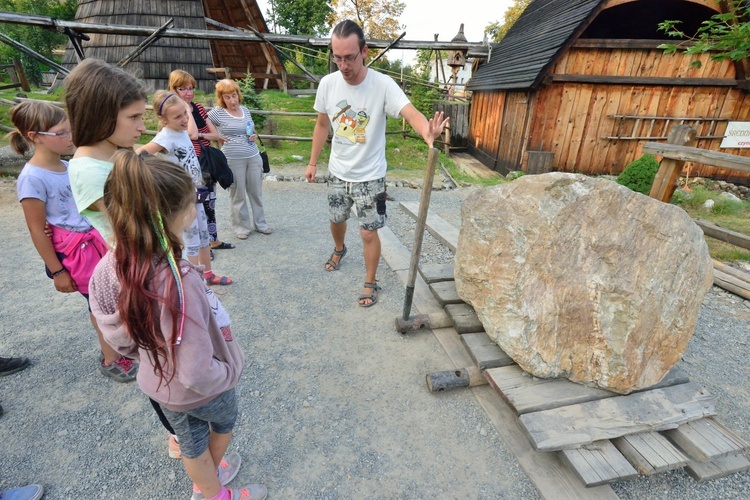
193, 427
367, 198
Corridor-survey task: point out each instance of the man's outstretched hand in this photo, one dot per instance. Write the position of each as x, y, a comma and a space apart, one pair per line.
436, 125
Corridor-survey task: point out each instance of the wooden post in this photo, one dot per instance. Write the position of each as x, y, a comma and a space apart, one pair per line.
447, 133
665, 181
21, 74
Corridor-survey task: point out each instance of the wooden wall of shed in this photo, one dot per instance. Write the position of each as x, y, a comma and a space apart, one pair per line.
572, 120
579, 116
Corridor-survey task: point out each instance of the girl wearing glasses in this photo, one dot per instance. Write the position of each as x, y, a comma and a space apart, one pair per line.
75, 247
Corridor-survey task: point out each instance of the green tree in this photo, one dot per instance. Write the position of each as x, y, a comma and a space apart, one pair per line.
378, 18
726, 35
497, 30
302, 17
38, 39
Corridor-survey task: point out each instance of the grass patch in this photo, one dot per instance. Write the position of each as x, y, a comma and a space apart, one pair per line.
727, 213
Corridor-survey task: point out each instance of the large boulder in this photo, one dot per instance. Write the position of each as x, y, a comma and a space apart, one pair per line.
582, 278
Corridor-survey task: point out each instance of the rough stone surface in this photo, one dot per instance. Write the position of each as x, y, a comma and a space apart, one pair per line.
582, 278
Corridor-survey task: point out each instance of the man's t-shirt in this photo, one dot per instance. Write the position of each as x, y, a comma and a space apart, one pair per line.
358, 116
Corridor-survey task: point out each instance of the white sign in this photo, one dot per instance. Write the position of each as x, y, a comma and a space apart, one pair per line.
737, 135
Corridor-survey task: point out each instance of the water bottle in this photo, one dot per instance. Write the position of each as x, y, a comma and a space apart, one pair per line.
249, 130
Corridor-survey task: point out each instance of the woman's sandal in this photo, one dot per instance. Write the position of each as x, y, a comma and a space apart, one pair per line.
213, 279
330, 262
223, 246
373, 297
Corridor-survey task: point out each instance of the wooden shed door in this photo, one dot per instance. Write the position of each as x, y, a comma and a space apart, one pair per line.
512, 132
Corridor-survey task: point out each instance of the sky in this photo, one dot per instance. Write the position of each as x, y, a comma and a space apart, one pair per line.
424, 18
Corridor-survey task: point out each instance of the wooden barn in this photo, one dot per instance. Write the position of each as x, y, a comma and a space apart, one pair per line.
580, 86
195, 56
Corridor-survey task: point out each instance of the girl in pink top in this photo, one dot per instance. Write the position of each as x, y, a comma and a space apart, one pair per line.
46, 197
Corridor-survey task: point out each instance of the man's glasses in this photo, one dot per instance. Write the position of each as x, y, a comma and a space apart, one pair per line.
346, 59
185, 89
62, 135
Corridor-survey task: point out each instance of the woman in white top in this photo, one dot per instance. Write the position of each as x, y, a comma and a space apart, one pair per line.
237, 129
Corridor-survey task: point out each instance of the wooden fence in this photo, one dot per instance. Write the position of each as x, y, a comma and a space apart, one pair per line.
674, 155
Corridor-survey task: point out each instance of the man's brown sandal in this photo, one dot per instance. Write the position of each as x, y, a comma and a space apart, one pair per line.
330, 262
373, 297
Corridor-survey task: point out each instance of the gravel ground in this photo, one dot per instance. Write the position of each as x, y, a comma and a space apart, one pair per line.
333, 401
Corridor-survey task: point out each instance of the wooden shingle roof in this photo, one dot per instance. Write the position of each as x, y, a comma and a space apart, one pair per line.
532, 44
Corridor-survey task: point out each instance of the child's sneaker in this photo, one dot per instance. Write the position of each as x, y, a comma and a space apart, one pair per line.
228, 469
249, 492
174, 448
122, 370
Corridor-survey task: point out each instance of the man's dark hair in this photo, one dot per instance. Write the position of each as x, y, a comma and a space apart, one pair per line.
346, 28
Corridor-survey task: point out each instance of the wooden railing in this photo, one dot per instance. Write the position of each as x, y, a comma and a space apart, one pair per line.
674, 155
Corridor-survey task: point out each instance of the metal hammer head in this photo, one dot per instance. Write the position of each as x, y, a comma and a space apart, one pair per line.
413, 323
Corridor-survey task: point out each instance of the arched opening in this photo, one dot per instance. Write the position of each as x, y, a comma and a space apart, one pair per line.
639, 20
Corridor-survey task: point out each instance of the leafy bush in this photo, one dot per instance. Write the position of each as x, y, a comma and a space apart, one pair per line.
639, 175
251, 99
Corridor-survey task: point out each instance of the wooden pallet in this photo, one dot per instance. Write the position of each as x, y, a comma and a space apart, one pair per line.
603, 437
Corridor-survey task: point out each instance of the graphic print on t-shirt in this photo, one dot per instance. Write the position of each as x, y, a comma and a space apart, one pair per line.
350, 124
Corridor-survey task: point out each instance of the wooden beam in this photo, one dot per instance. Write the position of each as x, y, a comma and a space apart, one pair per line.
607, 43
717, 232
21, 75
646, 80
476, 49
696, 155
382, 52
146, 43
29, 52
669, 171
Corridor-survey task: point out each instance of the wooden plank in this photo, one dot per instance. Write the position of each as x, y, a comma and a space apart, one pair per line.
434, 273
599, 463
484, 351
706, 439
465, 319
581, 424
445, 293
721, 467
727, 235
526, 393
444, 232
650, 452
730, 283
550, 476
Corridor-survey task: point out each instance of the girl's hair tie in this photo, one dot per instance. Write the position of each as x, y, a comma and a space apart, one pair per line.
162, 103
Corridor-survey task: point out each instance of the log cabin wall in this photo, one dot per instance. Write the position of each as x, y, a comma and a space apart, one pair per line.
598, 128
596, 88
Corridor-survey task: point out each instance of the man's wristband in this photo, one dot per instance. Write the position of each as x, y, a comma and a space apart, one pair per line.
312, 165
58, 273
